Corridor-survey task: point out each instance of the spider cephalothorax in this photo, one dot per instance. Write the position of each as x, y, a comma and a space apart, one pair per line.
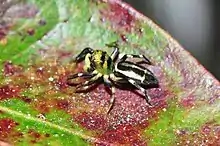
114, 70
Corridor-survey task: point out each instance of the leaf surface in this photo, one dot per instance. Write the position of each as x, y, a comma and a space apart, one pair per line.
37, 41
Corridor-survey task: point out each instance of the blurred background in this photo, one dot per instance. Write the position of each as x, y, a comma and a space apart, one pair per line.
193, 23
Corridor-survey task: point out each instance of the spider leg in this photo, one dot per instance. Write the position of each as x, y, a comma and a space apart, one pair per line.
109, 83
115, 79
125, 56
86, 84
81, 56
147, 97
115, 53
112, 99
77, 75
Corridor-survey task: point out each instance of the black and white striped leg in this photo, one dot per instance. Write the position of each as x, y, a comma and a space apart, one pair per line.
85, 85
81, 56
115, 79
144, 58
112, 100
115, 53
116, 50
108, 83
77, 75
147, 97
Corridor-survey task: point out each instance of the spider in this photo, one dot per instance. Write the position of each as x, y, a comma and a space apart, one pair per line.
113, 70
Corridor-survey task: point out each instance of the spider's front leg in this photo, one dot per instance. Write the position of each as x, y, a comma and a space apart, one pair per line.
122, 58
108, 83
78, 75
115, 53
81, 56
86, 84
112, 99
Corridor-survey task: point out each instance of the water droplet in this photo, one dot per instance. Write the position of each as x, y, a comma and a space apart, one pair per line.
51, 79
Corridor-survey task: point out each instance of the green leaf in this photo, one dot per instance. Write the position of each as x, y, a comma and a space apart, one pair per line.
37, 107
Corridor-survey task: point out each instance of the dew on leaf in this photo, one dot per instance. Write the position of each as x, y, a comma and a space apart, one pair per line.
51, 79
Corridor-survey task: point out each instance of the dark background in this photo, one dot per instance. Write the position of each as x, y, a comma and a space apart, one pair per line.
193, 23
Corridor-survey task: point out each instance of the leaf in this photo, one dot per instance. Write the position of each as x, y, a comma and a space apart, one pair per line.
38, 40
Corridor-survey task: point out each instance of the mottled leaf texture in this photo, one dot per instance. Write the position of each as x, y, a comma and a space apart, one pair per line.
38, 39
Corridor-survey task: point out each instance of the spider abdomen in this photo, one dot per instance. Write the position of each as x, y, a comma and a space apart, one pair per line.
136, 72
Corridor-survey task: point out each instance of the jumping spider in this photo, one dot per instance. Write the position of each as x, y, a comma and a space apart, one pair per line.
114, 70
